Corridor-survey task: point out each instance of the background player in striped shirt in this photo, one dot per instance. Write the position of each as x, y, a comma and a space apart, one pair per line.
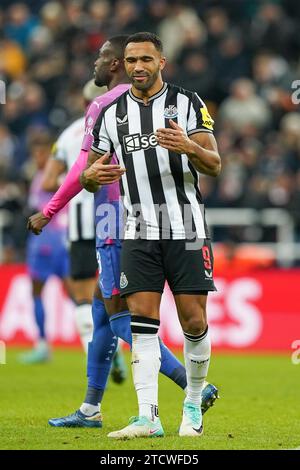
46, 255
166, 235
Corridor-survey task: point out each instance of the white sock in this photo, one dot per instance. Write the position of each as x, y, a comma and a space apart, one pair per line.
84, 323
88, 409
145, 369
197, 350
146, 364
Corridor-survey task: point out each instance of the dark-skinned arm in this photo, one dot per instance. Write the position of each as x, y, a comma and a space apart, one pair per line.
99, 172
87, 184
201, 148
203, 153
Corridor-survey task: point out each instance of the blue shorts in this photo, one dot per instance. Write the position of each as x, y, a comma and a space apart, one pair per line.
108, 257
47, 256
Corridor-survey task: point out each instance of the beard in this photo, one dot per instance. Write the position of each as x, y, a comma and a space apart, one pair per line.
98, 81
100, 78
147, 84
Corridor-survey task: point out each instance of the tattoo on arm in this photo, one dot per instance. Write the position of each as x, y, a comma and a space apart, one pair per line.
92, 157
90, 186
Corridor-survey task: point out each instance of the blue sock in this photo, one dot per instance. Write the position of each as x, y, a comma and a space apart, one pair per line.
120, 325
100, 352
39, 314
170, 365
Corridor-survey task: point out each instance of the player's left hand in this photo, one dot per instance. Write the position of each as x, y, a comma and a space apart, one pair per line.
174, 138
37, 222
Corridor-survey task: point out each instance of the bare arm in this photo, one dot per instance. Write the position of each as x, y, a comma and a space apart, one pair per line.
203, 153
201, 148
99, 172
87, 184
54, 168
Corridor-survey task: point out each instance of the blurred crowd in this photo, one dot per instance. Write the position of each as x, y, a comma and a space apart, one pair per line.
241, 56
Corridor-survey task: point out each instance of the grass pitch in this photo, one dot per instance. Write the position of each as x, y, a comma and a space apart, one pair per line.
259, 406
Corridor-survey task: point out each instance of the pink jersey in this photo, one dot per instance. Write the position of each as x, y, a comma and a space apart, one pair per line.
71, 186
95, 108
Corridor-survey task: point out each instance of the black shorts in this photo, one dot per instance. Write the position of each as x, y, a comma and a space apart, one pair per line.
147, 264
83, 259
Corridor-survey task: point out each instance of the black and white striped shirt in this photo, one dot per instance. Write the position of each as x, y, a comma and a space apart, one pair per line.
160, 187
81, 207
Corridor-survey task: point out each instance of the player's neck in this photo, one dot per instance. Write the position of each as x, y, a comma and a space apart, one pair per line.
145, 95
118, 80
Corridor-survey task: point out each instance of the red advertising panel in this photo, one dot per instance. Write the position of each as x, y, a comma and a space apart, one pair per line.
257, 312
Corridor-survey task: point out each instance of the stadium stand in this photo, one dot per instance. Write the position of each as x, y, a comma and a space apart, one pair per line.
241, 56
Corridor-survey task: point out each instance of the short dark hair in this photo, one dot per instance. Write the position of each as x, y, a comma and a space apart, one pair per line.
146, 37
119, 43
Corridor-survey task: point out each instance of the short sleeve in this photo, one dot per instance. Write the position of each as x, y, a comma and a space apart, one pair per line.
199, 119
102, 142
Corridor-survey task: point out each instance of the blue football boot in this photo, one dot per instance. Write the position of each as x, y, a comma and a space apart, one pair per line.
77, 420
209, 395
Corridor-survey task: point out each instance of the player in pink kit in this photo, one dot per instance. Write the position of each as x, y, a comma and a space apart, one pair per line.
111, 317
46, 255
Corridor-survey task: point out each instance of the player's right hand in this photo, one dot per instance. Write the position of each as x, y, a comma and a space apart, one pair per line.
36, 223
102, 173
